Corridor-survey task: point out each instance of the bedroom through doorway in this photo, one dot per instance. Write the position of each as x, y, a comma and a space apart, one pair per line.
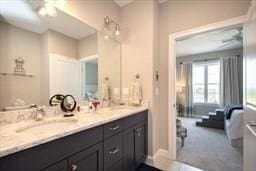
209, 98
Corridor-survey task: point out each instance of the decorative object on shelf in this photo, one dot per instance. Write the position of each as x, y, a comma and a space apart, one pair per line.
135, 91
19, 69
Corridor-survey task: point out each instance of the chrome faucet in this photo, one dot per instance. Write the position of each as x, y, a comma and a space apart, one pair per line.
39, 113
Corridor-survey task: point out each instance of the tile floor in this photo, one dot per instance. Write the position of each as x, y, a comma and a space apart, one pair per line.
169, 165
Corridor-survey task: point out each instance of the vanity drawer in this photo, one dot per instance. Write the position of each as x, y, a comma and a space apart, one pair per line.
135, 119
113, 150
113, 128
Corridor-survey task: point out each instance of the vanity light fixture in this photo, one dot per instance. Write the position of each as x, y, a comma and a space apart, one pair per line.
108, 22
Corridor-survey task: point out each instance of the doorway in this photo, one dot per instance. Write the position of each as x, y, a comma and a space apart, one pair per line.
89, 74
173, 88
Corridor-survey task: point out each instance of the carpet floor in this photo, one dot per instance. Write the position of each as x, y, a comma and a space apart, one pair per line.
208, 149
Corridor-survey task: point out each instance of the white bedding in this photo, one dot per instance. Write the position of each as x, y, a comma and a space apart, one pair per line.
234, 126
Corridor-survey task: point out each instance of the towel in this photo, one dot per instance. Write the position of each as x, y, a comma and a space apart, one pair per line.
105, 92
135, 93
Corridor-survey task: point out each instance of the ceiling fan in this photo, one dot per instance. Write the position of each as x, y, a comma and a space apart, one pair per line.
235, 38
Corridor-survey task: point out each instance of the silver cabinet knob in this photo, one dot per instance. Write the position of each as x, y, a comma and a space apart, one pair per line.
74, 167
138, 131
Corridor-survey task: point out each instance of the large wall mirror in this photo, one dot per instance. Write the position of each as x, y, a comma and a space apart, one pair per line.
45, 55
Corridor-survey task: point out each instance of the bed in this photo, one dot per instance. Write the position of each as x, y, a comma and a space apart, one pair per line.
234, 128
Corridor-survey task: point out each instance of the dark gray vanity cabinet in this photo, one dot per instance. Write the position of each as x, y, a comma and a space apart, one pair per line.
120, 145
135, 142
140, 143
60, 166
89, 159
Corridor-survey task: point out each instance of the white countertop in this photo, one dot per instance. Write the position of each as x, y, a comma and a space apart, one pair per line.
12, 141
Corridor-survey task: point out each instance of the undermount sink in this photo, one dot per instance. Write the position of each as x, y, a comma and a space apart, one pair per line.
122, 108
46, 125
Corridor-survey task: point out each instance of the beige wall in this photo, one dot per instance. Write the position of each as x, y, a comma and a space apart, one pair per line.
62, 44
109, 62
88, 46
16, 42
180, 15
45, 89
155, 90
137, 22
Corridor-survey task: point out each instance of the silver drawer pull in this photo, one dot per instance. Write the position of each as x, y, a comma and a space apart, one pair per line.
114, 128
114, 151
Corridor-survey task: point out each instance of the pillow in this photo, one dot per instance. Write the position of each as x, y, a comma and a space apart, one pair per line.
230, 108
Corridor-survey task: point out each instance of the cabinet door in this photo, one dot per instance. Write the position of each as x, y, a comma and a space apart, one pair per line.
90, 159
129, 148
113, 151
140, 138
61, 166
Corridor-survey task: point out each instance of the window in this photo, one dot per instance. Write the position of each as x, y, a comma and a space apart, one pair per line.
206, 82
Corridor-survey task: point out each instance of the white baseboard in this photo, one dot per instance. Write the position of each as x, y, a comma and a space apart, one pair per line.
161, 153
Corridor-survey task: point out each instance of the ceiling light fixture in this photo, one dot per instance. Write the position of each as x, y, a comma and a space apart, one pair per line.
49, 7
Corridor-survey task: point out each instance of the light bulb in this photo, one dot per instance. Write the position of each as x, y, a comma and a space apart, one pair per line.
106, 36
61, 2
51, 10
117, 30
42, 11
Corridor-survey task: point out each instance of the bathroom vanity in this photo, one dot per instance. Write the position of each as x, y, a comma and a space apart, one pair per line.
109, 142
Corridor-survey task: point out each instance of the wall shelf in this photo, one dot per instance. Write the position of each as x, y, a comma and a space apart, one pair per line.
18, 75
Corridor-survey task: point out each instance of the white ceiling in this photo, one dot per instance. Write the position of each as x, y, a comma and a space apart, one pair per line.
20, 14
122, 3
207, 42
